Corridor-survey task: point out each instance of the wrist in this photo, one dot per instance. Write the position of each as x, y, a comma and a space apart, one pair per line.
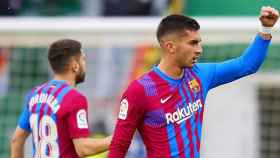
265, 29
265, 36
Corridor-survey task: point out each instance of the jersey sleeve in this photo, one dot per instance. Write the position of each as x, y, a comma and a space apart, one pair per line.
130, 115
249, 62
23, 122
78, 118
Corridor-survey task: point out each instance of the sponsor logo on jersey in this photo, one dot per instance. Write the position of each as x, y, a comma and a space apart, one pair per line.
194, 85
44, 98
164, 100
82, 119
184, 113
123, 109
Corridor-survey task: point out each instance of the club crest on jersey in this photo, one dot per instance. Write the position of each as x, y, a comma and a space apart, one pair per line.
123, 109
194, 85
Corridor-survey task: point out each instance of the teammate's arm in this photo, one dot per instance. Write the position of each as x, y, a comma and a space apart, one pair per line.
91, 146
79, 130
22, 131
17, 143
130, 116
250, 61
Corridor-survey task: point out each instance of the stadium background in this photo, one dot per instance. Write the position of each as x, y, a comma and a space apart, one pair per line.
242, 119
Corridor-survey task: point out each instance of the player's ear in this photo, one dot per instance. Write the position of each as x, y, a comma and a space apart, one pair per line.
169, 46
75, 66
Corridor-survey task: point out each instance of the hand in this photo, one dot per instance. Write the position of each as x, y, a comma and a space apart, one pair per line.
268, 16
109, 139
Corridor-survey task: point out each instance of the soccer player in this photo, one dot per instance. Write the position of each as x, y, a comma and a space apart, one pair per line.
56, 113
166, 104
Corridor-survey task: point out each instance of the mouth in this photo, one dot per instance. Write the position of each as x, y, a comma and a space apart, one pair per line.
195, 59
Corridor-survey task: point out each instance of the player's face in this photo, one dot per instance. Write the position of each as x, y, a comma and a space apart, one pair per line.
188, 49
80, 77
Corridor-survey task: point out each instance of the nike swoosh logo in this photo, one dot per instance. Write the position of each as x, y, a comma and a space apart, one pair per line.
162, 101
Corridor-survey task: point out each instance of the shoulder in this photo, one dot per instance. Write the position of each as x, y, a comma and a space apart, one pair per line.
33, 91
142, 83
37, 88
204, 68
74, 94
134, 88
139, 87
75, 99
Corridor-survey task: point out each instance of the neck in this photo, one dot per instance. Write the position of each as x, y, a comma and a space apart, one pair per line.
65, 77
171, 69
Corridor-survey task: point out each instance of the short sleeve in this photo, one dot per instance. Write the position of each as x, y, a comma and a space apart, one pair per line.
24, 119
77, 119
25, 115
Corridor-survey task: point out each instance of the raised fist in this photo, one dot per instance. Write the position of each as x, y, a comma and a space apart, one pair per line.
268, 16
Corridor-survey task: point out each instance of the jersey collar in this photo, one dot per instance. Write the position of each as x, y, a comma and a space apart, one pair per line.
165, 76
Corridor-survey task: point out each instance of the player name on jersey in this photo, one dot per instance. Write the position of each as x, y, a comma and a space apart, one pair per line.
182, 114
43, 98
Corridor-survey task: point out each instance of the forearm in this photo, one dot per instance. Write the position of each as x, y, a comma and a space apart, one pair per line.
17, 149
17, 143
118, 148
255, 54
248, 63
121, 141
96, 145
91, 146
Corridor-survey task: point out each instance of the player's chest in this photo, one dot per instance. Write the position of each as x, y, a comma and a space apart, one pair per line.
175, 105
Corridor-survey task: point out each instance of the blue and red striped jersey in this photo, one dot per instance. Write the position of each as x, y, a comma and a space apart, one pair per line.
168, 112
55, 113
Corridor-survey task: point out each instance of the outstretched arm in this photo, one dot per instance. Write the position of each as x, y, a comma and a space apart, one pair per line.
250, 61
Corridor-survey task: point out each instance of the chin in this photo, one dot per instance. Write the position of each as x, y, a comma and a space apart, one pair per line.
190, 66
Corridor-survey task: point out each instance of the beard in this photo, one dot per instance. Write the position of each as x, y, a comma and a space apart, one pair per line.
80, 78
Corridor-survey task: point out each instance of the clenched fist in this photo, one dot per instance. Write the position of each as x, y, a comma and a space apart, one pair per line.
268, 16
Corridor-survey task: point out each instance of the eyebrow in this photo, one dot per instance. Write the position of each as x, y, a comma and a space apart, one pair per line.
195, 40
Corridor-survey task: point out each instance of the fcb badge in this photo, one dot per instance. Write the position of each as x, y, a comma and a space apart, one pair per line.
194, 85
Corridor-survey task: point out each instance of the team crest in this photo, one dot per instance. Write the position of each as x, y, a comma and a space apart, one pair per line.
194, 85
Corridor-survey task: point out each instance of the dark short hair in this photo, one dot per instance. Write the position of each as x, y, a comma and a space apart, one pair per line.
176, 23
60, 53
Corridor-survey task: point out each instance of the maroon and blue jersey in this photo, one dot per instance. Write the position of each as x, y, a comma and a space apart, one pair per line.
168, 112
55, 113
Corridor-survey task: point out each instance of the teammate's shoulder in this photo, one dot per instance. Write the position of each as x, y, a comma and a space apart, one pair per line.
73, 100
40, 86
36, 88
74, 93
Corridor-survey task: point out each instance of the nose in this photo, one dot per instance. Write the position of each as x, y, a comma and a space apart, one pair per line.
199, 50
